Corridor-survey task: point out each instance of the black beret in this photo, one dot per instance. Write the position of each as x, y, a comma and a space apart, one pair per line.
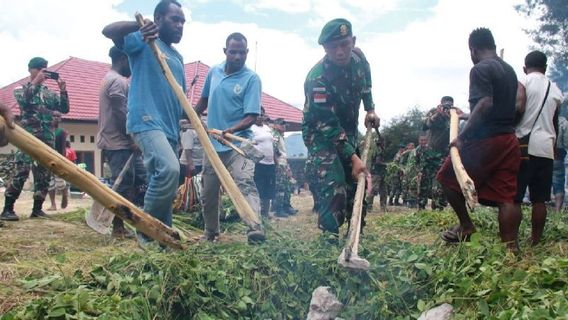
334, 30
37, 63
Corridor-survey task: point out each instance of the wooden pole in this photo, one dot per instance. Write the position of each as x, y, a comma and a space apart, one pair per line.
87, 182
466, 184
355, 224
245, 211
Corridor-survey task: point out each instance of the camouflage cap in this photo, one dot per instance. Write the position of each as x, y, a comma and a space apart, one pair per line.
37, 63
334, 30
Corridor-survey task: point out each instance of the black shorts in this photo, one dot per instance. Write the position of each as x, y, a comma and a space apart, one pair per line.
535, 173
264, 178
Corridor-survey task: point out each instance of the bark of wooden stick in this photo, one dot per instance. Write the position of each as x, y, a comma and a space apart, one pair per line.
244, 210
88, 183
231, 136
352, 245
466, 183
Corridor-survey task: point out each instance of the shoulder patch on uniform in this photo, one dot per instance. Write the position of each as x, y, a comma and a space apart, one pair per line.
318, 89
320, 97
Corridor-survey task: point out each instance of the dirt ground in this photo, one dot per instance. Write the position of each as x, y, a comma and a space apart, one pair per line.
34, 248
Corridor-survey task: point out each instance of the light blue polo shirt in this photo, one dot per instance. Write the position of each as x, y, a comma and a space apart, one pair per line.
152, 104
231, 97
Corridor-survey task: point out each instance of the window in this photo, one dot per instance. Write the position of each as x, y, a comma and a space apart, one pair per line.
82, 139
92, 139
72, 138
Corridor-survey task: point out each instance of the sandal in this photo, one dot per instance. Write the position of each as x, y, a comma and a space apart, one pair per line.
455, 235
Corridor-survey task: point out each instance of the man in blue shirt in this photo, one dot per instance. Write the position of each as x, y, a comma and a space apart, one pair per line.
153, 109
232, 94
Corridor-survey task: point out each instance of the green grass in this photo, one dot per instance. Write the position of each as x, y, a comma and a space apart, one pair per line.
411, 270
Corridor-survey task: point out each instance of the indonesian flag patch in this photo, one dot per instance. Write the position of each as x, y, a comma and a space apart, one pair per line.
320, 95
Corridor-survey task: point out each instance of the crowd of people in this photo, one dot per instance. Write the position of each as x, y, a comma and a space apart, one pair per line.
507, 141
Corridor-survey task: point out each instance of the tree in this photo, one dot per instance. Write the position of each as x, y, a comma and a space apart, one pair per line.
402, 130
551, 34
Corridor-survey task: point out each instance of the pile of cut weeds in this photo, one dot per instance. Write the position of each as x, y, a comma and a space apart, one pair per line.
275, 280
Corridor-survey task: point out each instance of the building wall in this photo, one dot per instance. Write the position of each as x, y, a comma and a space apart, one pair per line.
82, 137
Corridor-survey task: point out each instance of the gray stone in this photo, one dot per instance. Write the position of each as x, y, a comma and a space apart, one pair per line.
443, 312
324, 305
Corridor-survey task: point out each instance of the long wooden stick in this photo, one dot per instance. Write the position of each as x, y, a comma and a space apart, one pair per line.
243, 208
87, 182
466, 184
231, 136
352, 246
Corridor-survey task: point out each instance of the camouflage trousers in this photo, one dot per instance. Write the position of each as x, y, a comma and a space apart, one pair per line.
438, 196
380, 189
333, 188
282, 190
396, 190
425, 189
24, 164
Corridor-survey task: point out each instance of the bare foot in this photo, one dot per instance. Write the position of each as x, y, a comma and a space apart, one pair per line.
52, 208
64, 203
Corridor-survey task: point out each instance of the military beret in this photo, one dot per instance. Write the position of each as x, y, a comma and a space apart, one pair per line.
334, 30
37, 63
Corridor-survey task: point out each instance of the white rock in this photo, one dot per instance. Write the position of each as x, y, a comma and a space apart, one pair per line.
443, 312
324, 305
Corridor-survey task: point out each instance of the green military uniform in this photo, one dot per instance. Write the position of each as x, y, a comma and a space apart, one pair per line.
37, 104
411, 177
331, 111
427, 165
394, 177
283, 186
438, 127
378, 173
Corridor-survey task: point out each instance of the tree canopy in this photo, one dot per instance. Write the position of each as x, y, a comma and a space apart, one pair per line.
551, 34
402, 130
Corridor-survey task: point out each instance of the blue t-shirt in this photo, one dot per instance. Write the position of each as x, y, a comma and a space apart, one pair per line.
231, 97
152, 104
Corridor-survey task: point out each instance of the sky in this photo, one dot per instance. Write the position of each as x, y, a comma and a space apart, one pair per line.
417, 49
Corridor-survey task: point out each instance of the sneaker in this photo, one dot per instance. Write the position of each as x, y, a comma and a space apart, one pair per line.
9, 215
256, 236
39, 214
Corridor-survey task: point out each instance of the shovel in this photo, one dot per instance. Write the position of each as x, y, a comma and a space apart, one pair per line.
100, 218
349, 257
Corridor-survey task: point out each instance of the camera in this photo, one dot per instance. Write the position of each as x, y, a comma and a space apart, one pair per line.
51, 75
446, 107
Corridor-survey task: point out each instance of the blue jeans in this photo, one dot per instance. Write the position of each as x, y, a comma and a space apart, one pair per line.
162, 167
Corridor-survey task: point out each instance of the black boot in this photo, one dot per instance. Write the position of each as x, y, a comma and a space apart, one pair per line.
291, 211
264, 207
36, 211
8, 213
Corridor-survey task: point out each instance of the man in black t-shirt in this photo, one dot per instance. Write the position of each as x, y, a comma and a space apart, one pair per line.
487, 144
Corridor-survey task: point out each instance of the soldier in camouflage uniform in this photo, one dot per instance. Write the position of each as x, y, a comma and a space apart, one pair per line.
37, 104
283, 187
405, 160
427, 162
378, 172
394, 176
437, 122
411, 178
334, 89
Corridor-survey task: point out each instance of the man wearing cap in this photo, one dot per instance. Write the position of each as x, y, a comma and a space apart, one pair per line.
283, 189
117, 146
437, 124
37, 104
231, 94
334, 89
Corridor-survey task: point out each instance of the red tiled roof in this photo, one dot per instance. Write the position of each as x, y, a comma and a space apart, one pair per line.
83, 78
